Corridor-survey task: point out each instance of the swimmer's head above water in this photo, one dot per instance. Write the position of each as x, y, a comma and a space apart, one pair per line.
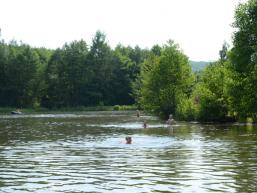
128, 140
145, 124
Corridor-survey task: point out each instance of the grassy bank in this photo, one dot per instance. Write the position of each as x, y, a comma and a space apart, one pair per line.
8, 110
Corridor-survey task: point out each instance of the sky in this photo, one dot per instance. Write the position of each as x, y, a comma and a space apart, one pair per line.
200, 27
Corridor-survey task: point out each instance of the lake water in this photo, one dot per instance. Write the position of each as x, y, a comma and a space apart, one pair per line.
85, 152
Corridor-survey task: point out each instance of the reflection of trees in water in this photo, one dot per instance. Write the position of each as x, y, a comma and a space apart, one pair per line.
235, 154
169, 166
245, 153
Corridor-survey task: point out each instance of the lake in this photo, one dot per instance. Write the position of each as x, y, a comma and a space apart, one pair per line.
86, 152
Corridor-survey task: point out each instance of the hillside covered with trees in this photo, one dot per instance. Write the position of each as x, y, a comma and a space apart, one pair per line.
198, 65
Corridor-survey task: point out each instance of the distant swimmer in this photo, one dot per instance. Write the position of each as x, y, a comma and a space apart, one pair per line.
138, 113
170, 121
128, 140
145, 124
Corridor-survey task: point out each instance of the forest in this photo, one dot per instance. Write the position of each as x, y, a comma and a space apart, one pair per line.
158, 80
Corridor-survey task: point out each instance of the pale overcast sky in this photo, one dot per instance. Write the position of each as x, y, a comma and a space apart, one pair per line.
199, 26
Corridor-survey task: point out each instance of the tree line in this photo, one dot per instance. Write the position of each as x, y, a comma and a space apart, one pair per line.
225, 90
75, 75
159, 79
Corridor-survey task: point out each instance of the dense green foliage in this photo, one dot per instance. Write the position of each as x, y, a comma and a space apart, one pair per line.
72, 76
21, 68
209, 95
166, 79
222, 91
243, 65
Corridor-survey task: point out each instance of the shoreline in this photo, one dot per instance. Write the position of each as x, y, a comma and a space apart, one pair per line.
116, 108
8, 110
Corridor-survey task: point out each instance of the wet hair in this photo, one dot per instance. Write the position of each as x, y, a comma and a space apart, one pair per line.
128, 139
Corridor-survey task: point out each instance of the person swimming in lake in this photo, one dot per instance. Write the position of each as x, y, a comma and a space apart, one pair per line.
145, 125
138, 113
170, 121
128, 140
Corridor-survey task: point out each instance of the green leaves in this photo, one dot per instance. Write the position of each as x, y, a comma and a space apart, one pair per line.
212, 103
165, 80
243, 60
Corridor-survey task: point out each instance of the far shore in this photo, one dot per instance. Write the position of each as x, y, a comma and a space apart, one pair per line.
8, 110
40, 110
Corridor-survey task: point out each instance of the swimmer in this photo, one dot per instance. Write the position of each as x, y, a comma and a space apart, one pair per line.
138, 113
145, 125
170, 121
128, 140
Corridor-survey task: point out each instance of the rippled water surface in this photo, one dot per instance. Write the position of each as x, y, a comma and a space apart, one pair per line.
85, 152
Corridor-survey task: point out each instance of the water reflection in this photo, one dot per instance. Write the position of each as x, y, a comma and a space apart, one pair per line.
85, 153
